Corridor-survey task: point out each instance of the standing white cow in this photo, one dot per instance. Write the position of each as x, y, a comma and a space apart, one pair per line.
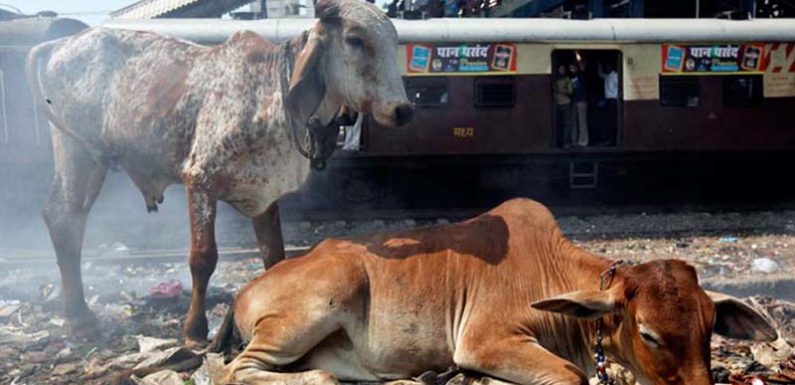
240, 122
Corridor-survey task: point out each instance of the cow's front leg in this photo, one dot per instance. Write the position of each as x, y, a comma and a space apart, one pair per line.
268, 228
203, 257
518, 360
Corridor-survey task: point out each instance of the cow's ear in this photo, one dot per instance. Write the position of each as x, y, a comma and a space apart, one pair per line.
736, 319
307, 88
582, 304
327, 10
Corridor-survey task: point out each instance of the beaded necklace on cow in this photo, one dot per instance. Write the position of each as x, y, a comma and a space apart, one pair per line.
314, 141
605, 280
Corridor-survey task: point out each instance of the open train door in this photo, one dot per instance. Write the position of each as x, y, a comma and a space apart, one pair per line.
587, 97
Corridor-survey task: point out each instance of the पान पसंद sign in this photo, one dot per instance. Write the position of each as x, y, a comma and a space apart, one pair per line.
712, 59
461, 59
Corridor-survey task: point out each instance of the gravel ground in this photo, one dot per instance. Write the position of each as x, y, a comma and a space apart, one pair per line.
34, 347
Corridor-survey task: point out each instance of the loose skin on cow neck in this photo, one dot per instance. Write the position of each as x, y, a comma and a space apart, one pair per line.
219, 120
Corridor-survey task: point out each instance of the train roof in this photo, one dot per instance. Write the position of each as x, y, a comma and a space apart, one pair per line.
25, 32
534, 30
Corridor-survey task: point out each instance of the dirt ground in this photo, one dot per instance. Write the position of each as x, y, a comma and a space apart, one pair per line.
141, 306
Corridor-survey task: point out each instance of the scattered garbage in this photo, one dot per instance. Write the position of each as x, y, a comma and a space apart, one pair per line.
14, 335
64, 369
165, 377
764, 266
215, 317
769, 354
148, 344
171, 289
8, 308
169, 356
211, 371
136, 331
57, 321
50, 291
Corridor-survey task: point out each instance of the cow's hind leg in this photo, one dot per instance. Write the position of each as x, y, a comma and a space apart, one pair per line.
76, 184
268, 228
280, 340
288, 324
203, 258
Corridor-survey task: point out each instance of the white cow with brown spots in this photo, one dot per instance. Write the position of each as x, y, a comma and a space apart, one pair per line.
240, 122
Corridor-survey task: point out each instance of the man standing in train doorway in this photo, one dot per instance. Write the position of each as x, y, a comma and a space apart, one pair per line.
563, 93
608, 105
579, 98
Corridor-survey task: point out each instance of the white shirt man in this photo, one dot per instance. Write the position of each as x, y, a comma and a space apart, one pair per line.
353, 134
611, 82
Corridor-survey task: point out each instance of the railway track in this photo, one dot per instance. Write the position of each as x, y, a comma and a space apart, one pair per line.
579, 223
40, 257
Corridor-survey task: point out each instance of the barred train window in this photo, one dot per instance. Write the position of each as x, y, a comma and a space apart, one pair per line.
498, 91
428, 92
743, 90
679, 91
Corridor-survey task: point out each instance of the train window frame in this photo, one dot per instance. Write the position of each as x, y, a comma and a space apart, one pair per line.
666, 99
434, 82
490, 81
752, 98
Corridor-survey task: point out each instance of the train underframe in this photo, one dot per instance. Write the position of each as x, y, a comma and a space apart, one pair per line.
357, 187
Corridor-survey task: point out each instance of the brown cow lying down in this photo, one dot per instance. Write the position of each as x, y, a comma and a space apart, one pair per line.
392, 306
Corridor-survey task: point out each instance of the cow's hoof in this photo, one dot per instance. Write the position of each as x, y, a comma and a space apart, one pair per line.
84, 327
194, 344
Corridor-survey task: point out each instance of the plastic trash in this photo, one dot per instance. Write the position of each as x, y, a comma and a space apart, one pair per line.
764, 266
171, 289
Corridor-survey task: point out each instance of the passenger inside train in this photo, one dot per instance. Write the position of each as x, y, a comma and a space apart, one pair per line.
592, 113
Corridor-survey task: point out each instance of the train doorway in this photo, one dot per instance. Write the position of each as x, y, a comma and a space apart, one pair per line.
587, 95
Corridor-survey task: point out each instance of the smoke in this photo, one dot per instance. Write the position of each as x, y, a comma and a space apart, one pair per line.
118, 227
118, 216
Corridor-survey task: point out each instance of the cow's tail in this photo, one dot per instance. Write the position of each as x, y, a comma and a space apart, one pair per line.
226, 333
221, 343
36, 56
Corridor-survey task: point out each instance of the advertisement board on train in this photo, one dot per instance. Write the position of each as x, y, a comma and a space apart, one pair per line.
461, 59
716, 59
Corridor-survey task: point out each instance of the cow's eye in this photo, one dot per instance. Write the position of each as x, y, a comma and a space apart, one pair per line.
355, 42
649, 339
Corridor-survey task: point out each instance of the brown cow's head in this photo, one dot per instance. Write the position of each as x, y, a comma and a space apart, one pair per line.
658, 321
350, 58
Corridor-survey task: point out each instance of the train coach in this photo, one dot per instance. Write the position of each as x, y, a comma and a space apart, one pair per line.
701, 108
701, 111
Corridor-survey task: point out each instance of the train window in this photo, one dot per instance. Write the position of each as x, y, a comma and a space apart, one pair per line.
742, 90
679, 91
428, 92
495, 92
